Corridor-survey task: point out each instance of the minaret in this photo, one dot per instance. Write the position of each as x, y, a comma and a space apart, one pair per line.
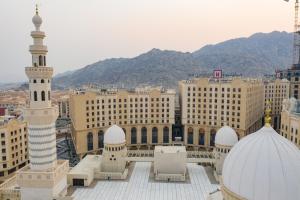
40, 114
46, 177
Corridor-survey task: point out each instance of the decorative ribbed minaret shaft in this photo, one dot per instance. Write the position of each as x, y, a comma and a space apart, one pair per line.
40, 114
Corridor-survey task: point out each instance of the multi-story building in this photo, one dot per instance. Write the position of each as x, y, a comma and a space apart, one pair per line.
293, 75
146, 116
63, 107
276, 91
290, 120
13, 144
208, 104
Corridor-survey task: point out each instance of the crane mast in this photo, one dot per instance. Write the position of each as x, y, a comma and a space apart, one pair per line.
296, 45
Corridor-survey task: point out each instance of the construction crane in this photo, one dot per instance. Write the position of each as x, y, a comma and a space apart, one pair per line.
296, 45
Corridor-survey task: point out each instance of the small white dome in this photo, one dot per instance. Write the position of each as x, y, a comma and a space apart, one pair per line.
114, 135
263, 165
37, 21
226, 136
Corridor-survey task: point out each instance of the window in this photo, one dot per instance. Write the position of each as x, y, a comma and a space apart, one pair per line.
35, 95
40, 60
154, 135
133, 135
190, 136
144, 135
43, 95
90, 145
49, 95
212, 137
166, 135
201, 137
42, 81
100, 139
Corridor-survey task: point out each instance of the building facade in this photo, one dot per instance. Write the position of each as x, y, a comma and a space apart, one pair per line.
290, 121
276, 91
63, 107
146, 116
292, 75
14, 151
208, 104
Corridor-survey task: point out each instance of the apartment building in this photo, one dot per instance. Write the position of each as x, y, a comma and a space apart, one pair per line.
290, 120
63, 107
207, 104
276, 91
13, 144
145, 114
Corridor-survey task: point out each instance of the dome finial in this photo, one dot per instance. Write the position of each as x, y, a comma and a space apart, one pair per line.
36, 9
268, 111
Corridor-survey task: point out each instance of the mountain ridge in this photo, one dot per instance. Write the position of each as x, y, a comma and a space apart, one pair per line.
259, 54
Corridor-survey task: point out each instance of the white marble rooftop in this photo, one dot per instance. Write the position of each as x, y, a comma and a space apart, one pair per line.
140, 188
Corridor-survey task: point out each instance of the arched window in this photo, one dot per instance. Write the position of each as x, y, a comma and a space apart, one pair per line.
144, 135
190, 135
49, 97
201, 136
43, 95
40, 60
42, 81
154, 135
35, 95
34, 80
100, 139
90, 145
166, 135
133, 135
212, 137
44, 60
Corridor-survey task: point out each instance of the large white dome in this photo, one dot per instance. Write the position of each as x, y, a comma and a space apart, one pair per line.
114, 135
226, 136
263, 165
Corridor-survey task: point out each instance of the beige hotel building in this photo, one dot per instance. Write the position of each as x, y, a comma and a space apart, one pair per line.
208, 104
13, 144
276, 91
290, 120
146, 115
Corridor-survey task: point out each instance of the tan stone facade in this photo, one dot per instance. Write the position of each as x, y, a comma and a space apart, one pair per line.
146, 116
276, 91
13, 144
290, 121
207, 104
63, 107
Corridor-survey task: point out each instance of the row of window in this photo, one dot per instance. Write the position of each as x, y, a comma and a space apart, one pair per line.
215, 89
42, 96
130, 99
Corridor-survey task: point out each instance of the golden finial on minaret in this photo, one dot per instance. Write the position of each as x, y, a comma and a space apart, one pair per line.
268, 111
36, 9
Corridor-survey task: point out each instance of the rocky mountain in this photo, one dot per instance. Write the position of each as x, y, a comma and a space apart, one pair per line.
256, 55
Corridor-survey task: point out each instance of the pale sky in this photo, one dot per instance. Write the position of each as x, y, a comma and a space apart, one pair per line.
81, 32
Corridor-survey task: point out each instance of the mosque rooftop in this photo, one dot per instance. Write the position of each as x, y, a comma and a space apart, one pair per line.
139, 186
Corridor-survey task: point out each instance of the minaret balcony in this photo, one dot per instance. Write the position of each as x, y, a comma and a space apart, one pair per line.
39, 72
38, 34
38, 49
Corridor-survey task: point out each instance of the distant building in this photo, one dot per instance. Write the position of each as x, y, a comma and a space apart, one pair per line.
146, 116
292, 75
208, 104
63, 107
290, 121
276, 91
13, 145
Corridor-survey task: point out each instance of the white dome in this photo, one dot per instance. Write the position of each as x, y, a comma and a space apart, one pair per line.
263, 165
226, 136
114, 135
37, 21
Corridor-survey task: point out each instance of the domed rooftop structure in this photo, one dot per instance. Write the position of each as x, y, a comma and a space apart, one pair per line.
114, 135
263, 165
37, 20
226, 136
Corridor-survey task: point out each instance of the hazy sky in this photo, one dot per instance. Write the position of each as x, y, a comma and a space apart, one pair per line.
81, 32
